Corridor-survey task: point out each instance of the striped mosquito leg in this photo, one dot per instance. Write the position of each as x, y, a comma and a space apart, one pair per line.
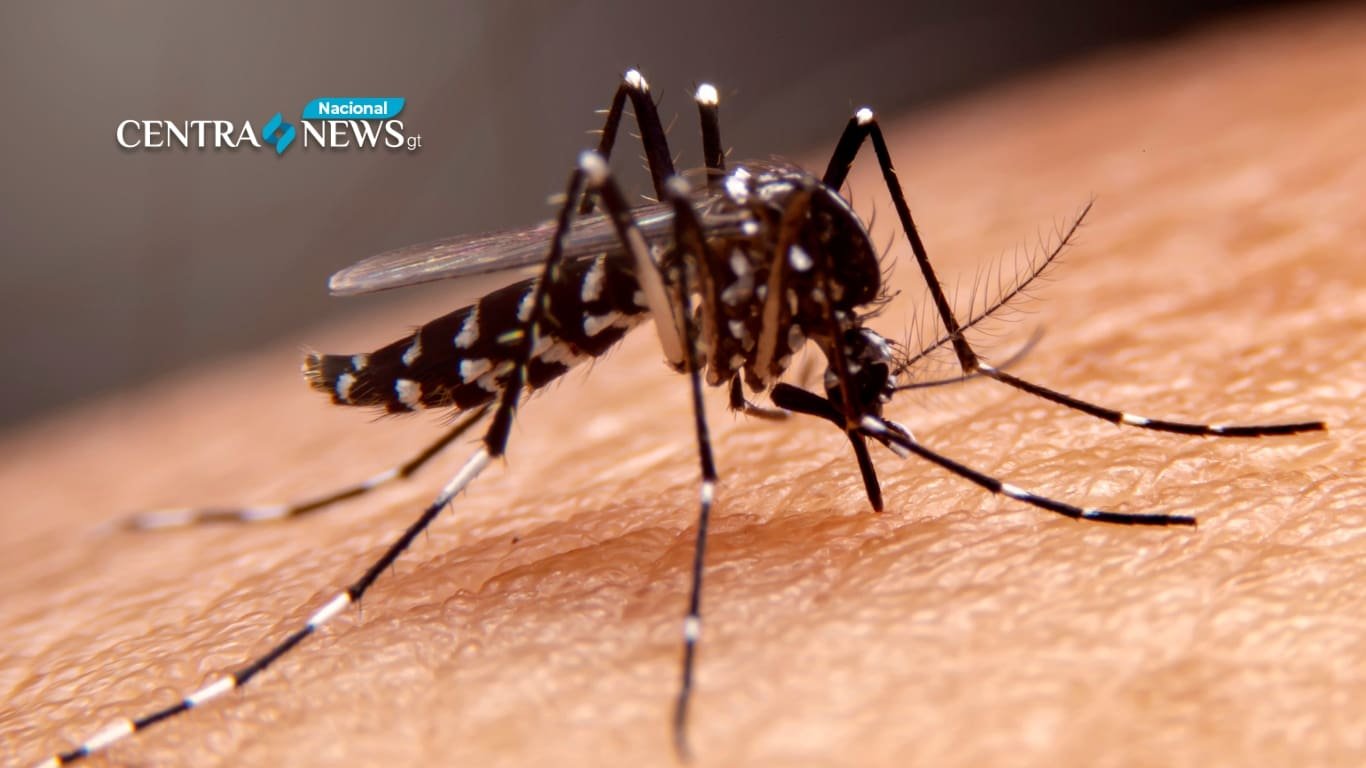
657, 154
691, 242
125, 727
1143, 422
525, 338
177, 518
863, 125
901, 442
495, 442
894, 437
669, 305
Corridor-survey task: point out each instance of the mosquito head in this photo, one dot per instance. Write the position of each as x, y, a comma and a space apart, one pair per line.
868, 361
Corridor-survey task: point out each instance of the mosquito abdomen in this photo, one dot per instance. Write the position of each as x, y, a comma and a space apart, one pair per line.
463, 359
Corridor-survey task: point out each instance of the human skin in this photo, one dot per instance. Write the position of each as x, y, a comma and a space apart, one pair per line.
1220, 277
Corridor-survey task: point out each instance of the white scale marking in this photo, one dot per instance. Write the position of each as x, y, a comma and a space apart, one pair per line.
595, 324
358, 362
592, 164
1137, 421
108, 735
899, 450
772, 189
740, 290
409, 392
795, 338
211, 691
873, 425
524, 306
636, 80
473, 369
592, 282
799, 258
737, 328
708, 492
471, 470
414, 351
884, 349
329, 611
707, 95
692, 629
469, 332
737, 185
1015, 491
864, 116
344, 384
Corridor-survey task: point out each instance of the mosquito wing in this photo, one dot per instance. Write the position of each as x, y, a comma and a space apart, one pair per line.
503, 251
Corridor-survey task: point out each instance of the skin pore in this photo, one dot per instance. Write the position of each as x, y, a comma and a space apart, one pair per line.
1218, 278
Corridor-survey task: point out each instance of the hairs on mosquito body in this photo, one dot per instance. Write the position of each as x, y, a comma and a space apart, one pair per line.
994, 298
886, 261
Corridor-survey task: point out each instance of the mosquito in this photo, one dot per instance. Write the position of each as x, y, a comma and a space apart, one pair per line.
739, 272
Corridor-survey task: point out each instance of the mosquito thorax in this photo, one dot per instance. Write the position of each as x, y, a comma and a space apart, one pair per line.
804, 237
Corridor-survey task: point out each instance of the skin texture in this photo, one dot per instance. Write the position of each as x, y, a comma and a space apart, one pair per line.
1219, 277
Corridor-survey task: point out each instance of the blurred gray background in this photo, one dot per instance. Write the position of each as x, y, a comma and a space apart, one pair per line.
119, 266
